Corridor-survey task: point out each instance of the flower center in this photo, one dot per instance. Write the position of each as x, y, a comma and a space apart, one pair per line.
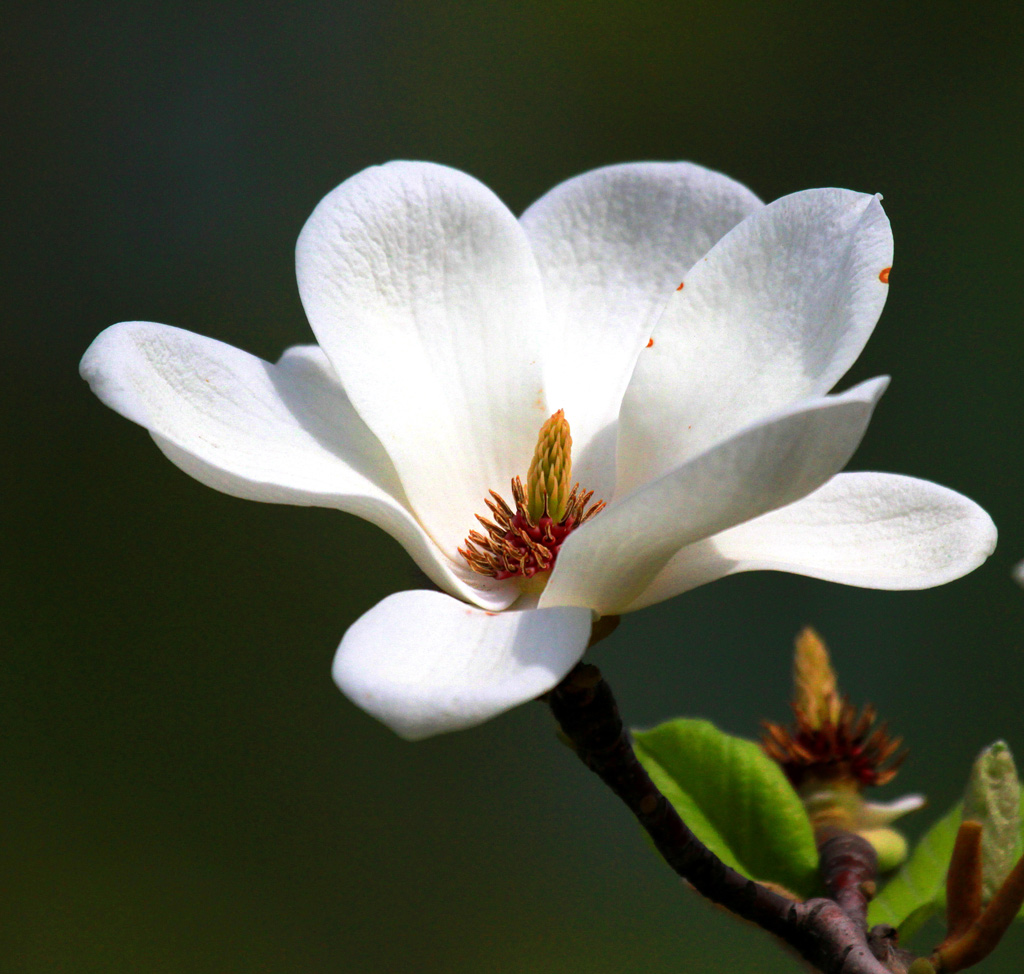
832, 741
523, 543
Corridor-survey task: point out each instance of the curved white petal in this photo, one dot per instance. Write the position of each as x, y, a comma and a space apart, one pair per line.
875, 815
777, 311
421, 287
875, 530
612, 246
282, 433
609, 561
424, 663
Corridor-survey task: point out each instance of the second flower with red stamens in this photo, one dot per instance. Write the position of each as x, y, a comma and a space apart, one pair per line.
832, 741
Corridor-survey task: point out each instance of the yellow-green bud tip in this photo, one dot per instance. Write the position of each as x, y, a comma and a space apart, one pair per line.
816, 693
549, 478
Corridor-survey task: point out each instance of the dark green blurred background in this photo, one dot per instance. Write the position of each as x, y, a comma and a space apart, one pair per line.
183, 788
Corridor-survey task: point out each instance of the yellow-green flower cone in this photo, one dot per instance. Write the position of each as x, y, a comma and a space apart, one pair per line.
549, 477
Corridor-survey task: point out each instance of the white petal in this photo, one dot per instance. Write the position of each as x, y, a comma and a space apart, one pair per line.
424, 663
875, 530
421, 287
874, 815
777, 311
612, 246
282, 433
609, 561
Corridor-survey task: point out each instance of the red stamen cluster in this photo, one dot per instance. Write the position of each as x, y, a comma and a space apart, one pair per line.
517, 545
850, 748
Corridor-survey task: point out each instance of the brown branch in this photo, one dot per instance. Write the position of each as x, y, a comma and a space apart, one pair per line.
829, 933
848, 865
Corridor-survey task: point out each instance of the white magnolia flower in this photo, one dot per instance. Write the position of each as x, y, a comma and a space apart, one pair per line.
688, 332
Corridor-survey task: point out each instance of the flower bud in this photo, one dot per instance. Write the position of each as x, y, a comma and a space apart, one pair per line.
993, 799
890, 846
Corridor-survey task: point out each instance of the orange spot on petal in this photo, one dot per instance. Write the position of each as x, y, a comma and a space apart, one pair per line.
490, 613
883, 275
680, 285
650, 342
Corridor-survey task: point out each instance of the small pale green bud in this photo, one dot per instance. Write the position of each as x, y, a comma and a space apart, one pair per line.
993, 799
889, 845
921, 966
549, 477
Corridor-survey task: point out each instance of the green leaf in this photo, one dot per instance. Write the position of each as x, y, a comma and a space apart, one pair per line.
1020, 916
918, 890
735, 799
